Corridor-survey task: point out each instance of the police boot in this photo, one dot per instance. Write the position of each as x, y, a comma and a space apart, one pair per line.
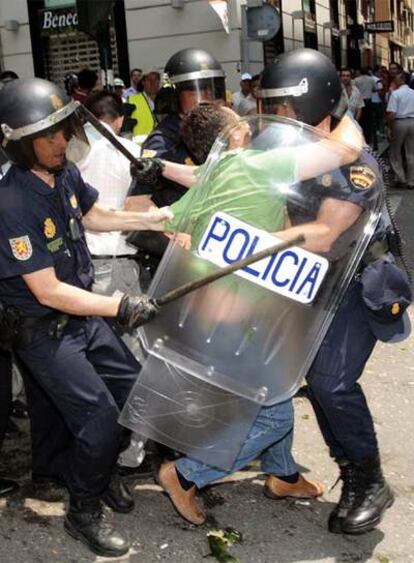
348, 475
118, 496
85, 521
373, 498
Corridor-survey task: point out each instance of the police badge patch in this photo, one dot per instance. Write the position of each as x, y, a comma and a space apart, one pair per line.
362, 177
49, 228
21, 247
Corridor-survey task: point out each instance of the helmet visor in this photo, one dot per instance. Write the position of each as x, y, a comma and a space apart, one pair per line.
193, 92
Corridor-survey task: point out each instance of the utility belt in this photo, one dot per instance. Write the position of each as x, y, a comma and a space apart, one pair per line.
19, 331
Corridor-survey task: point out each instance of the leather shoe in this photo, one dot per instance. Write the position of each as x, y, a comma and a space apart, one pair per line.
185, 502
144, 471
278, 489
118, 496
7, 487
85, 522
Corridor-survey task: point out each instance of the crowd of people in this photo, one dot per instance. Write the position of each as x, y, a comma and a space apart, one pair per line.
73, 282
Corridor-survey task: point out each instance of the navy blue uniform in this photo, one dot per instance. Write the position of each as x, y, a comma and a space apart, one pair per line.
338, 400
88, 372
164, 142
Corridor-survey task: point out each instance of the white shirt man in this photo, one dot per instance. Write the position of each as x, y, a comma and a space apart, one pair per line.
351, 98
243, 100
400, 117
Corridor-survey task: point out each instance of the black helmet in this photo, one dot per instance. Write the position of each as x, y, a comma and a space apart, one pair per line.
197, 71
307, 79
30, 108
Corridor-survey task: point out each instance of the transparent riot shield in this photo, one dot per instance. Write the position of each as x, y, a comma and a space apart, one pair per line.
217, 355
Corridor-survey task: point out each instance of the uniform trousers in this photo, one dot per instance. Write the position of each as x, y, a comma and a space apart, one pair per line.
337, 398
403, 140
270, 437
5, 391
87, 376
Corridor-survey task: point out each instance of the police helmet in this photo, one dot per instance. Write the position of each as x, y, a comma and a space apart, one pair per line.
31, 108
306, 79
196, 71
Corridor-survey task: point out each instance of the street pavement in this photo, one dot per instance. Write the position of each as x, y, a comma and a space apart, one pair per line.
273, 531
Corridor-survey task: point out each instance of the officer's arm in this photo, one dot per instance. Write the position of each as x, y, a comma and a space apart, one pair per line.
334, 218
100, 219
53, 293
180, 173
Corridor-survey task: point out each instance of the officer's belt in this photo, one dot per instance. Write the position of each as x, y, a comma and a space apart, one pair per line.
53, 323
375, 251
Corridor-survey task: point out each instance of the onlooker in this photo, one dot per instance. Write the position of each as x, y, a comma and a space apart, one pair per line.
377, 107
365, 85
244, 93
248, 106
400, 117
144, 105
351, 98
136, 83
87, 80
119, 87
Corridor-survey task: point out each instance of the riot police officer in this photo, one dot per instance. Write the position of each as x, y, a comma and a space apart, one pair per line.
45, 278
195, 76
303, 84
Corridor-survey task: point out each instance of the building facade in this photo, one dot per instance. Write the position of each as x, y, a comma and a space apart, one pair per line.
44, 38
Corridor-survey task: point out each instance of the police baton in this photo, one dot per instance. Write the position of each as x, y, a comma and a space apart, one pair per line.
201, 282
105, 132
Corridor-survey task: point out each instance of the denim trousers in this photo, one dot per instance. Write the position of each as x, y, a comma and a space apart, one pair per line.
270, 437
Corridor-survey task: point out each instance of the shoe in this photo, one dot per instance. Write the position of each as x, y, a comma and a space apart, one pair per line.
276, 489
349, 477
374, 496
7, 487
85, 522
144, 471
118, 496
185, 502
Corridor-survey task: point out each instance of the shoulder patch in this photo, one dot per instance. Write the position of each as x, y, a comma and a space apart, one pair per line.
189, 161
49, 228
362, 177
21, 247
147, 153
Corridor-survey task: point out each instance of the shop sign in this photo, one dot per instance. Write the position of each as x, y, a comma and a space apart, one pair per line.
58, 21
380, 27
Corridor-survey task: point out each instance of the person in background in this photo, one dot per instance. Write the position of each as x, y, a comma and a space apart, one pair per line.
400, 119
244, 92
248, 106
87, 80
119, 87
144, 105
351, 98
136, 83
365, 85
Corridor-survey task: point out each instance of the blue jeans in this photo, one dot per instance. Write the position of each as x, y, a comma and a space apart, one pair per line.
270, 437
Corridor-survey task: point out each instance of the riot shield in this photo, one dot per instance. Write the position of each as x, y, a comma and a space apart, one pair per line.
217, 355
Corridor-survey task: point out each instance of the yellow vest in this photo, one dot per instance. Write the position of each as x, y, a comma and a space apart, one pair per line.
143, 114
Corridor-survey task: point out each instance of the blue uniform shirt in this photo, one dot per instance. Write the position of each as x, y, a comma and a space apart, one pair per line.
34, 233
164, 142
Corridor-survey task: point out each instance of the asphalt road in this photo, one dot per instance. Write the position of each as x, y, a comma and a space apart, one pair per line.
273, 531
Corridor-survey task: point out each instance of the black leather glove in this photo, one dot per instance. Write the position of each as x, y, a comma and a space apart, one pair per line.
147, 170
134, 311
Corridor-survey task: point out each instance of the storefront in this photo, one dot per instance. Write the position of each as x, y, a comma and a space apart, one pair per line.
60, 47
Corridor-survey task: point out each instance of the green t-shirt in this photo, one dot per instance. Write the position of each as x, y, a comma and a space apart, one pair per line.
247, 185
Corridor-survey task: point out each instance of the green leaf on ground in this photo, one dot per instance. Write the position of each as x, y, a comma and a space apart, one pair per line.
220, 540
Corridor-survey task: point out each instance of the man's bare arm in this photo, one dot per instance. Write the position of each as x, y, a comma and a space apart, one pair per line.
51, 292
100, 219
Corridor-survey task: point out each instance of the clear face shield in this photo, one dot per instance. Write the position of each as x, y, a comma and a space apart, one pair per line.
193, 92
218, 354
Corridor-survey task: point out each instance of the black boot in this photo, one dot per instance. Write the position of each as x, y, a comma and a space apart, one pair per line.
85, 521
373, 498
349, 477
117, 496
